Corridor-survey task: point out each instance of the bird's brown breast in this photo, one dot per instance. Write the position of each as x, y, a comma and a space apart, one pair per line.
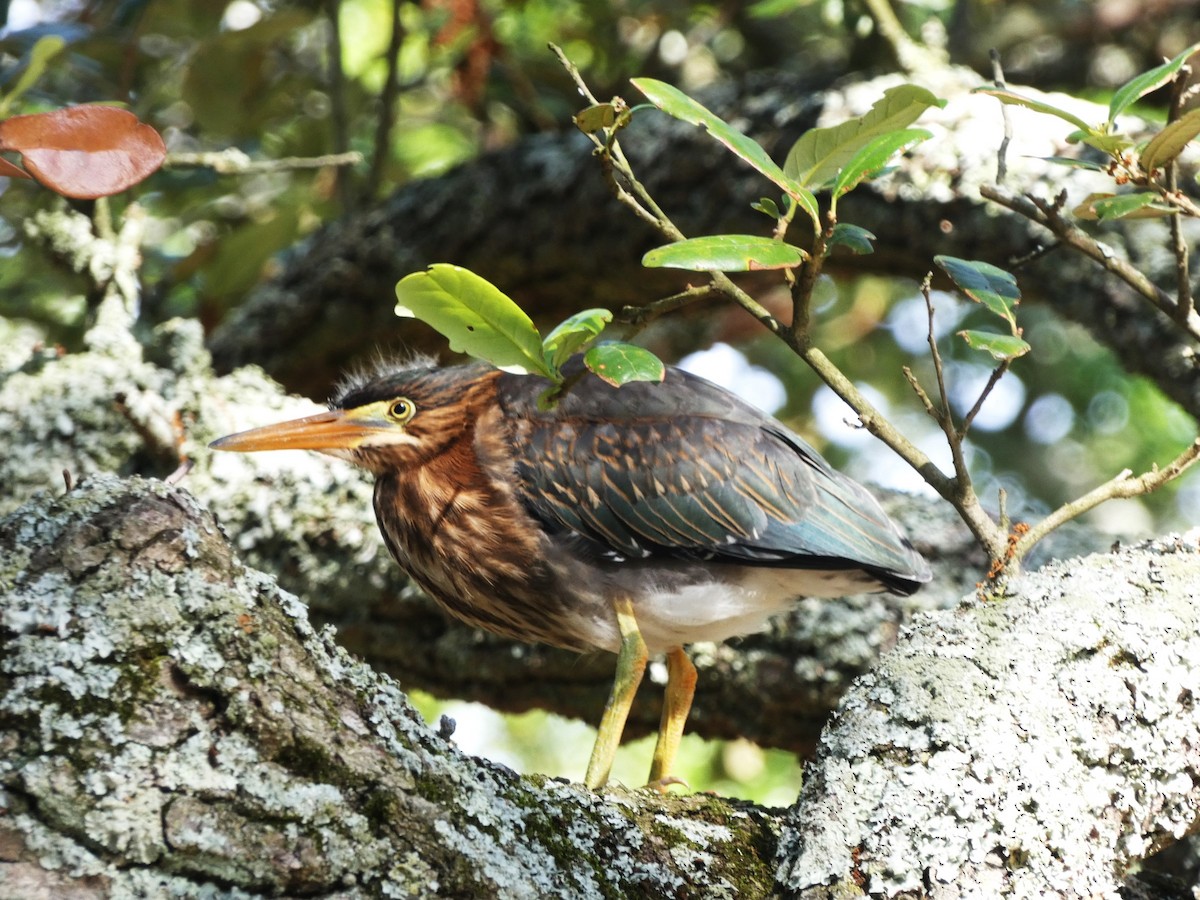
457, 528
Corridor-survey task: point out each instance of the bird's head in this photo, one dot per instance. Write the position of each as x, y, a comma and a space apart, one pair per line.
390, 418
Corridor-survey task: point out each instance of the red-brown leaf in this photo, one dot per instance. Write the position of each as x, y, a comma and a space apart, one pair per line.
8, 170
85, 152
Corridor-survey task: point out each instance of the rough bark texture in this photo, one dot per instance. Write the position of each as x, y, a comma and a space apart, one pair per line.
171, 725
976, 751
539, 220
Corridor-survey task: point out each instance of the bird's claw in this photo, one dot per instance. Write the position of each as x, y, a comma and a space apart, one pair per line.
662, 784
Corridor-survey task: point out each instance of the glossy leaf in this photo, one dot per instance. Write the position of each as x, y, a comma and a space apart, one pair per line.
1012, 98
817, 157
85, 152
852, 237
725, 253
984, 283
1001, 346
1170, 142
874, 156
675, 103
1141, 85
572, 335
620, 364
476, 316
40, 54
1101, 207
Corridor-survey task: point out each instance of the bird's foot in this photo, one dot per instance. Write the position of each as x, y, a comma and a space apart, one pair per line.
661, 785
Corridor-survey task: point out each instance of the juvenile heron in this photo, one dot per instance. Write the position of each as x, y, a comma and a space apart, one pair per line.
634, 519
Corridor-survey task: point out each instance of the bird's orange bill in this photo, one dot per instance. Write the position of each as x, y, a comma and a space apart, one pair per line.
332, 430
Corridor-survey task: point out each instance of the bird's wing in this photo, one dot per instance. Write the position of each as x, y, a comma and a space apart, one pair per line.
691, 471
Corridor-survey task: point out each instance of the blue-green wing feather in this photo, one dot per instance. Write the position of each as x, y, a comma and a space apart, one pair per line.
694, 472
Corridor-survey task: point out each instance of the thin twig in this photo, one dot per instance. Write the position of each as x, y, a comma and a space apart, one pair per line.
1183, 278
639, 316
912, 57
1047, 215
233, 161
337, 99
1002, 154
993, 380
1124, 485
388, 95
574, 73
810, 271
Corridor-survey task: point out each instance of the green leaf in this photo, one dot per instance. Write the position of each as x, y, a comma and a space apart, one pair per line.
868, 161
1072, 163
984, 283
1001, 346
1141, 85
1101, 207
1014, 99
1112, 144
595, 117
855, 239
620, 364
572, 335
675, 102
766, 206
475, 315
1169, 143
40, 55
725, 253
819, 154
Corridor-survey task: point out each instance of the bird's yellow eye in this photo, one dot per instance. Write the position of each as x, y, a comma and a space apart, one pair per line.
401, 410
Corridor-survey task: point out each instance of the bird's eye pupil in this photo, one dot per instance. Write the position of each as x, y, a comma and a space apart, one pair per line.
400, 409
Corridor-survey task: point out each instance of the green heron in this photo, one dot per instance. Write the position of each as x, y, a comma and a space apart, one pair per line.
635, 519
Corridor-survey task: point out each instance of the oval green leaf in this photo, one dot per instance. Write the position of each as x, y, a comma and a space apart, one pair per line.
1141, 85
725, 253
817, 157
1169, 143
766, 206
572, 335
676, 103
1001, 346
1014, 99
984, 283
1071, 163
476, 316
1112, 144
869, 160
1102, 207
854, 238
595, 117
620, 364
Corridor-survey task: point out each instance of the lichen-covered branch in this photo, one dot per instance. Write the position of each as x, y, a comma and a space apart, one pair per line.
1039, 746
173, 725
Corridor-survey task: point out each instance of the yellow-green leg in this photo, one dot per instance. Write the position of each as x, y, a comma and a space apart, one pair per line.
681, 686
631, 664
